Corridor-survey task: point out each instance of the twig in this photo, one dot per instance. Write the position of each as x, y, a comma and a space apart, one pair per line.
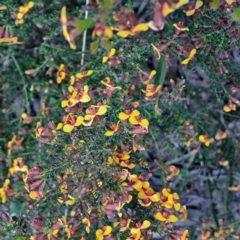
24, 83
84, 37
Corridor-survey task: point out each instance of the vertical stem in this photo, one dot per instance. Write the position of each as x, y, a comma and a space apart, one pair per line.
84, 37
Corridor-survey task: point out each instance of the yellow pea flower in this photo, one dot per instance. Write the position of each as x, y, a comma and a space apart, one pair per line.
142, 27
105, 231
109, 55
192, 9
190, 57
114, 128
204, 139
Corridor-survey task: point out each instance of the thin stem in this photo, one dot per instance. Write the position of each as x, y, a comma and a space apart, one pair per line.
84, 37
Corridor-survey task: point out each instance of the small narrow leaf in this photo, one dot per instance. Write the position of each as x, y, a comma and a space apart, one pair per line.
94, 47
84, 24
161, 71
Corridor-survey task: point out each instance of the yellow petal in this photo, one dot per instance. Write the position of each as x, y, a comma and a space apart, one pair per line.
167, 205
153, 72
123, 116
135, 113
116, 224
85, 89
107, 231
70, 202
30, 4
165, 192
146, 224
112, 52
79, 121
198, 4
64, 103
166, 9
144, 123
201, 138
160, 217
133, 120
172, 219
108, 32
142, 195
154, 198
109, 133
85, 99
99, 234
177, 206
227, 109
193, 52
102, 110
124, 33
190, 12
185, 61
152, 25
105, 58
137, 185
33, 195
140, 27
68, 232
146, 185
68, 128
176, 196
158, 53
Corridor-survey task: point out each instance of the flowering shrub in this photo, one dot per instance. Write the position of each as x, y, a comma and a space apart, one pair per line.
112, 114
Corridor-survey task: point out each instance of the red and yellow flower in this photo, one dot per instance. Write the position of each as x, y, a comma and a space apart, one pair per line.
165, 217
223, 162
206, 140
61, 73
136, 232
171, 199
108, 84
109, 55
220, 135
87, 223
4, 190
69, 201
135, 119
114, 128
102, 30
124, 223
142, 27
184, 235
93, 111
180, 27
22, 11
192, 9
230, 107
84, 74
101, 233
151, 90
77, 97
18, 166
151, 75
146, 197
63, 222
69, 122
